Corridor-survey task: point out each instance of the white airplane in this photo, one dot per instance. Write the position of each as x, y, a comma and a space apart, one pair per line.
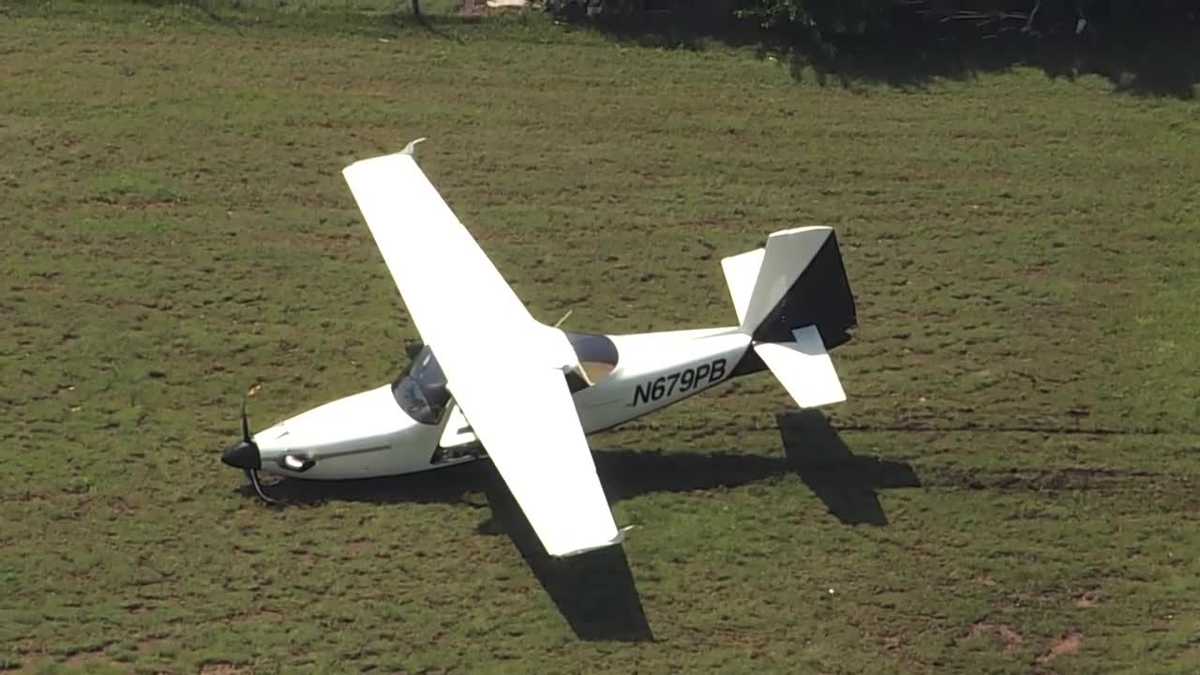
490, 376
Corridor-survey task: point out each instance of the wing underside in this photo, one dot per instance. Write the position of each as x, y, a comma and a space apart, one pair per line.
503, 368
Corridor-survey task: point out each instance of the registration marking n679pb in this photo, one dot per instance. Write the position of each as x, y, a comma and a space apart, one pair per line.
682, 381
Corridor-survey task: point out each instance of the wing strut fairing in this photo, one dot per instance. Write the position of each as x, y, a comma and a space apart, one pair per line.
504, 369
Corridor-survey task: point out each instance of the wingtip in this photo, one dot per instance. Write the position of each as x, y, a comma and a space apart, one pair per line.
616, 540
411, 148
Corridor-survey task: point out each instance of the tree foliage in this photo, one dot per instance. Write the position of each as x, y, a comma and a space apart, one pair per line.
909, 17
829, 16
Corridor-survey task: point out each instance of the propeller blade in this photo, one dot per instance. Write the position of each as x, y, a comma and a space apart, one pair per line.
245, 422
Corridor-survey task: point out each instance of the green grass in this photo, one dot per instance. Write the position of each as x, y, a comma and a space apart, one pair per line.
174, 229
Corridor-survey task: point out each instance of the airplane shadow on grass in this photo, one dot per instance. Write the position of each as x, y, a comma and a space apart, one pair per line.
595, 591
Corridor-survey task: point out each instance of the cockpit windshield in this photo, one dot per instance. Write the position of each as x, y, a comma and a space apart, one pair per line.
421, 392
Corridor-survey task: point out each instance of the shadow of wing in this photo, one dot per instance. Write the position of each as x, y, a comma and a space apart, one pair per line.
594, 591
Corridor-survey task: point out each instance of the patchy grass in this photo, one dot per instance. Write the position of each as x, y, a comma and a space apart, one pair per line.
1014, 478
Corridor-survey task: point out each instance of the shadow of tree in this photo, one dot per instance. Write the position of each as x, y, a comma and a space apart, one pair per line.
596, 592
1163, 63
1154, 59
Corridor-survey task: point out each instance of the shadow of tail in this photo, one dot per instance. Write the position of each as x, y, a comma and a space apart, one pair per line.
846, 483
594, 591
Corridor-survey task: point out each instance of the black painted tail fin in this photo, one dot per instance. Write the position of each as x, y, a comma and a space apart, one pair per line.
797, 280
820, 296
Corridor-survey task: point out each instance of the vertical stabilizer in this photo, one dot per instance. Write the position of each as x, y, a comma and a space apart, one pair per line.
793, 298
800, 280
741, 271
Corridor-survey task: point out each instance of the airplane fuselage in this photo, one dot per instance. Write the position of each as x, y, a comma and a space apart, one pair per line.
374, 433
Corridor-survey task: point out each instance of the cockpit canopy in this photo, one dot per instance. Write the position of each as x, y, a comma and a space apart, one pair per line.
597, 356
422, 393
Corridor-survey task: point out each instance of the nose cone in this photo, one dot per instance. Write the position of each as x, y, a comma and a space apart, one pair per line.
243, 455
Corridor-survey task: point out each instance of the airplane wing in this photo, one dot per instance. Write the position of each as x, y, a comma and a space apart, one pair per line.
452, 291
527, 421
504, 369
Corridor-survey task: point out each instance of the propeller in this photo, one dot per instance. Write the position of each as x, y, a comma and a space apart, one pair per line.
244, 455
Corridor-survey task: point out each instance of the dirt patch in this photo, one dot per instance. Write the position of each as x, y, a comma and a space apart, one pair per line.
477, 8
150, 645
473, 8
1069, 643
91, 658
222, 669
1036, 481
256, 616
85, 661
1000, 632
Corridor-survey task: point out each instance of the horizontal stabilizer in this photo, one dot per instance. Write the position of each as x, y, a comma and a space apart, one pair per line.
804, 368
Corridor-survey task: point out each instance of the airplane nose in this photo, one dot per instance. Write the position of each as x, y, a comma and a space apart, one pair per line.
243, 455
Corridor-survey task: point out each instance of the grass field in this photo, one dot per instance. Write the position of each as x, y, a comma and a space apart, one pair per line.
1010, 488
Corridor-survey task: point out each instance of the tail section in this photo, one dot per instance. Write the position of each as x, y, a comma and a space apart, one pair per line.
797, 280
794, 300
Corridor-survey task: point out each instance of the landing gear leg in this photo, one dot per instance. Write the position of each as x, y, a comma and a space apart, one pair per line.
253, 476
